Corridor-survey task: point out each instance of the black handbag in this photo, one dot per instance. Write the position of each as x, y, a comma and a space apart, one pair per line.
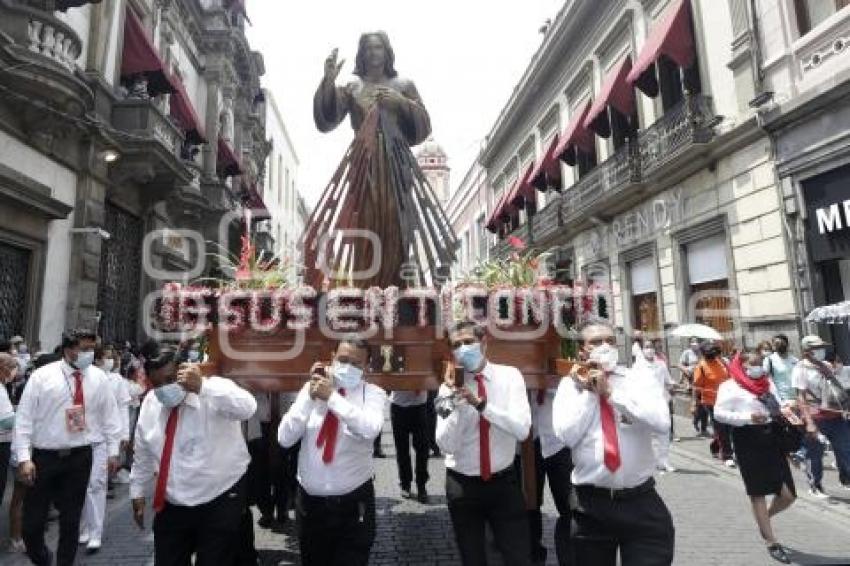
789, 436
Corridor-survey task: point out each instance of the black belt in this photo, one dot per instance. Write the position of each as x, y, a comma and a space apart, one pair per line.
62, 452
359, 494
625, 493
502, 474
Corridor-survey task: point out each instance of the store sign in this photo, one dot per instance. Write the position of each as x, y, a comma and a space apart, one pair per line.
647, 221
833, 218
828, 215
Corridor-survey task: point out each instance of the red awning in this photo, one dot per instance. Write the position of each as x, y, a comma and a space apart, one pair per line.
493, 221
521, 193
184, 114
575, 136
616, 93
140, 57
254, 201
63, 5
547, 169
671, 37
228, 163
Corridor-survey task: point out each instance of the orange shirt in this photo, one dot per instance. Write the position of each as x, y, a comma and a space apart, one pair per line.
708, 376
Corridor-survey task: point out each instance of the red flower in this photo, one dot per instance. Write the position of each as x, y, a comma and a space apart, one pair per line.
244, 270
516, 243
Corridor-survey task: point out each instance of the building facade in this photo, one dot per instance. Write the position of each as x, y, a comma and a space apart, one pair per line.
633, 151
280, 192
130, 134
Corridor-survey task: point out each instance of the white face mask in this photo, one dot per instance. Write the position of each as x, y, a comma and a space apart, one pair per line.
606, 355
819, 354
649, 353
84, 359
108, 365
755, 372
347, 376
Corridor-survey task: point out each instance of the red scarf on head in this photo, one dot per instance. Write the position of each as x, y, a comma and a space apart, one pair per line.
757, 387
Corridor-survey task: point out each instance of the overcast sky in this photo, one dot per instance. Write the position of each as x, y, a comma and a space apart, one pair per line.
465, 57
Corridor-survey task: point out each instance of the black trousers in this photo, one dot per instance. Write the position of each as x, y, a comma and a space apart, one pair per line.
431, 427
559, 468
410, 422
284, 482
336, 531
721, 444
61, 478
260, 473
535, 516
5, 455
213, 532
474, 503
639, 526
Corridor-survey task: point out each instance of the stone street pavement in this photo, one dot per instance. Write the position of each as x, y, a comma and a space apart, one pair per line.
712, 516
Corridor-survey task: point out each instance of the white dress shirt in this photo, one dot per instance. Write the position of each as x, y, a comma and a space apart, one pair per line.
662, 376
7, 411
507, 410
121, 392
735, 405
541, 417
408, 398
209, 454
40, 419
361, 417
639, 413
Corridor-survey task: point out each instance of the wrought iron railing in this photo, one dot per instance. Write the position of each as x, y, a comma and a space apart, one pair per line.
140, 118
547, 222
689, 123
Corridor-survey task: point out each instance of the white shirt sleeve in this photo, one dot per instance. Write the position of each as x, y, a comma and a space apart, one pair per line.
798, 377
228, 399
515, 419
573, 411
113, 429
6, 408
23, 419
366, 421
634, 397
293, 425
145, 462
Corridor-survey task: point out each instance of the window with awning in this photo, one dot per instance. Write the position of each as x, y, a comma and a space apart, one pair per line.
672, 38
183, 112
228, 164
141, 58
615, 93
547, 171
253, 200
575, 137
521, 194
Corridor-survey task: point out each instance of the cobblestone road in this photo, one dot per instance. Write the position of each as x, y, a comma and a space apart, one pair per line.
712, 516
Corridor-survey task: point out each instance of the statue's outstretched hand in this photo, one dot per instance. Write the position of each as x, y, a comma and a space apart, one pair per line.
332, 66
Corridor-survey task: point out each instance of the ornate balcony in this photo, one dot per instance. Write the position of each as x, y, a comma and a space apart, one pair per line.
546, 224
679, 131
38, 60
153, 147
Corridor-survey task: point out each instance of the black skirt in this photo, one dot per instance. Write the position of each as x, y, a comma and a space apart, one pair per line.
764, 467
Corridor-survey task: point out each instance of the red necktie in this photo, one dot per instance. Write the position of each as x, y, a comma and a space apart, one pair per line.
609, 431
541, 397
328, 433
165, 460
78, 389
483, 433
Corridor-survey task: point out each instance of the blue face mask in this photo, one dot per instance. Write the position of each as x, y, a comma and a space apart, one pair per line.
84, 360
346, 375
170, 395
194, 356
469, 356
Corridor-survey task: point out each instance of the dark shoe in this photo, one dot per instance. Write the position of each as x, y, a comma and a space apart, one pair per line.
422, 495
266, 522
778, 553
436, 453
539, 555
405, 493
379, 454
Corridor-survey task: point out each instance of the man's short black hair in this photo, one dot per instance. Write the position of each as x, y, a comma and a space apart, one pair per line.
477, 329
73, 338
157, 355
357, 342
782, 337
